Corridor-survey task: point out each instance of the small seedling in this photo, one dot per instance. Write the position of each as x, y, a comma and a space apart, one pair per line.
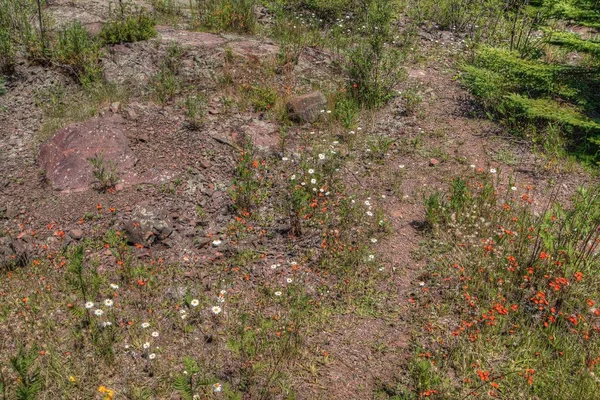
104, 172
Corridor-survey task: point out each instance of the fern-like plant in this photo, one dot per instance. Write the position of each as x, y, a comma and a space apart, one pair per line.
30, 382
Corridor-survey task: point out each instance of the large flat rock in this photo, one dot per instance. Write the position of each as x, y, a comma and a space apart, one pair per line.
64, 157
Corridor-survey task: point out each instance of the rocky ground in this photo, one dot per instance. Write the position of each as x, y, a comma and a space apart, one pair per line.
168, 170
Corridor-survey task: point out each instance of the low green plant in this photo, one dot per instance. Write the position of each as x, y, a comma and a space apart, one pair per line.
104, 172
190, 383
225, 15
195, 110
29, 379
166, 83
346, 110
76, 50
245, 192
128, 29
263, 98
2, 86
411, 99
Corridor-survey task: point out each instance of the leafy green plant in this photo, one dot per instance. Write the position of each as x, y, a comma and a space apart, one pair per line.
7, 52
226, 15
263, 98
18, 32
245, 191
373, 67
166, 83
127, 29
346, 110
30, 381
79, 52
104, 172
195, 110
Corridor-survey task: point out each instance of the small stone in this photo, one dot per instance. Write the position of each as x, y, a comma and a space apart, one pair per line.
115, 107
13, 253
204, 163
147, 226
433, 162
306, 108
131, 115
76, 234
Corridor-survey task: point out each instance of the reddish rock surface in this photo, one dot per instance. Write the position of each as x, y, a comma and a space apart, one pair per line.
64, 157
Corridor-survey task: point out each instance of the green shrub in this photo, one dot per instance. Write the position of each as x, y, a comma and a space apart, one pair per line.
131, 28
7, 52
226, 15
373, 67
79, 52
18, 32
574, 42
531, 94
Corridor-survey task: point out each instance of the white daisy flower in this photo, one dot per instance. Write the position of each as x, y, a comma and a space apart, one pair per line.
114, 286
369, 213
513, 188
194, 303
216, 310
108, 303
146, 345
277, 293
216, 242
98, 312
373, 240
155, 334
145, 325
493, 170
293, 177
89, 304
152, 356
289, 280
311, 171
313, 181
217, 387
321, 156
371, 257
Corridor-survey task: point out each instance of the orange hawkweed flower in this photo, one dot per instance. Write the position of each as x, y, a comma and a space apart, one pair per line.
484, 375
